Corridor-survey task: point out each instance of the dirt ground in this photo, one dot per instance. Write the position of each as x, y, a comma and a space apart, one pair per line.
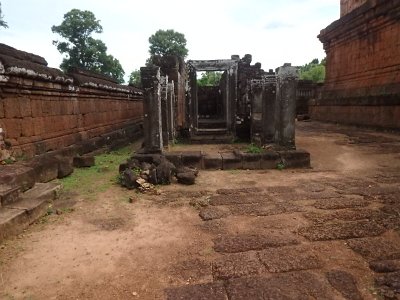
330, 232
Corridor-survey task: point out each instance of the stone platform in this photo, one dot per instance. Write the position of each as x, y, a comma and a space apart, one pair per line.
233, 160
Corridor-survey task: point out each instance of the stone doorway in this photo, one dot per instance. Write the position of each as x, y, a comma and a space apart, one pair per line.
212, 108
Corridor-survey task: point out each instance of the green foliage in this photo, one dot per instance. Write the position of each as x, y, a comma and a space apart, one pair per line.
168, 42
90, 181
209, 79
314, 71
2, 22
280, 166
135, 79
252, 148
81, 49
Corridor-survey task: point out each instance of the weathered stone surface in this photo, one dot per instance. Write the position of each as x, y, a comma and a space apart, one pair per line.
239, 191
187, 178
377, 248
8, 194
18, 175
231, 162
264, 209
340, 203
243, 242
45, 167
128, 179
212, 161
270, 160
251, 161
84, 161
385, 266
237, 265
207, 291
164, 172
343, 215
354, 92
65, 166
237, 199
389, 285
295, 158
345, 283
192, 159
290, 286
212, 213
280, 189
291, 258
338, 231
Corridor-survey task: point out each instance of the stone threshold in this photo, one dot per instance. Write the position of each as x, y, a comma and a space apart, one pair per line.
17, 215
234, 160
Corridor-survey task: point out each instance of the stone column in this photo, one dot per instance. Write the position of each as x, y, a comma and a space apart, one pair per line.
285, 106
164, 110
152, 123
171, 111
256, 93
269, 99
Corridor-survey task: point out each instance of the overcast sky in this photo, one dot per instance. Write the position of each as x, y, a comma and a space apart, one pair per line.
273, 31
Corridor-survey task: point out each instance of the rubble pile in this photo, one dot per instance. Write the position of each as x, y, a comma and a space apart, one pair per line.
143, 173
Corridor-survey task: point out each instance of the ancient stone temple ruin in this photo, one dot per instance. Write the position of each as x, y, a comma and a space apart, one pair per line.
247, 104
362, 85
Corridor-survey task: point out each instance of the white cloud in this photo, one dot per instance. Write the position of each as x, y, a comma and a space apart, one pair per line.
273, 31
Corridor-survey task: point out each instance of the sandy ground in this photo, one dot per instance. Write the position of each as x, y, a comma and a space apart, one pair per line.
108, 248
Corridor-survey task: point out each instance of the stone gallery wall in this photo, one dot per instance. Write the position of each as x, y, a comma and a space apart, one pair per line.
347, 6
42, 109
362, 84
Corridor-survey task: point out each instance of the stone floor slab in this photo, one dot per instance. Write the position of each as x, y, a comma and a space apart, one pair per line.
237, 265
208, 291
242, 243
290, 286
291, 258
345, 283
212, 213
341, 231
340, 203
377, 248
238, 199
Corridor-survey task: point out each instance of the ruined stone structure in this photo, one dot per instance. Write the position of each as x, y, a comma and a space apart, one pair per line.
248, 103
362, 84
42, 109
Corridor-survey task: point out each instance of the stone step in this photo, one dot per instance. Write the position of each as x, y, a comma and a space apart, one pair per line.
205, 125
212, 131
32, 204
8, 194
212, 139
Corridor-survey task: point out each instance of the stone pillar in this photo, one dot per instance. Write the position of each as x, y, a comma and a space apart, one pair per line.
285, 106
164, 110
171, 112
256, 92
153, 142
269, 99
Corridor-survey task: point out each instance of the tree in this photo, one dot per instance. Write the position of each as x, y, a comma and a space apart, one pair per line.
209, 79
81, 49
314, 71
2, 22
168, 42
135, 79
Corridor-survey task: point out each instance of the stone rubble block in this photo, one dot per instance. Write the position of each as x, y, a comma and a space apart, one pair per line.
84, 161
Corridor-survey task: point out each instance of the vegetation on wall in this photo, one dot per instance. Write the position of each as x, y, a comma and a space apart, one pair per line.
2, 22
315, 71
209, 79
135, 79
81, 49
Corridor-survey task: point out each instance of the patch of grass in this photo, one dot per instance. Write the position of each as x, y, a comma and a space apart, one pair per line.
281, 166
89, 182
252, 148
